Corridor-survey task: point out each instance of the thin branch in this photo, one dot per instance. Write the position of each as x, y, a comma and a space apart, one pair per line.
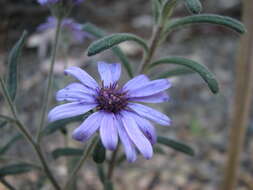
112, 163
28, 136
80, 163
46, 97
7, 184
10, 119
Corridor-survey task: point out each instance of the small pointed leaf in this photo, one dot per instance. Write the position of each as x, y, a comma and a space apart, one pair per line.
101, 173
15, 169
207, 19
59, 152
99, 153
113, 40
203, 71
99, 33
156, 8
178, 146
9, 144
13, 64
194, 6
168, 8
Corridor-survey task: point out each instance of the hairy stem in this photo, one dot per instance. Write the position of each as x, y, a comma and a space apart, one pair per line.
165, 13
46, 97
79, 165
23, 130
242, 101
112, 163
154, 42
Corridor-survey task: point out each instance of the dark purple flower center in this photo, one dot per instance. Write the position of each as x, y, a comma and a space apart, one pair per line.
111, 99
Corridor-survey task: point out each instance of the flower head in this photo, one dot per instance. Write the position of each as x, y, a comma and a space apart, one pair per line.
71, 29
118, 115
50, 2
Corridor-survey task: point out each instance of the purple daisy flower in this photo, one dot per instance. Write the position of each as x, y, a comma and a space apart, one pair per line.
69, 26
48, 2
118, 115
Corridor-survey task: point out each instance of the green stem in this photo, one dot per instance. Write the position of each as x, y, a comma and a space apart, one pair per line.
158, 29
154, 42
112, 163
50, 80
7, 118
84, 157
28, 136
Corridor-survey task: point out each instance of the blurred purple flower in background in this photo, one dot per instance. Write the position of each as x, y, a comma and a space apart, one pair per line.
47, 2
69, 26
117, 113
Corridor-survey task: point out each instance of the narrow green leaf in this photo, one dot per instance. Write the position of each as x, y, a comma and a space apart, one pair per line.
99, 33
13, 65
208, 19
108, 185
3, 124
203, 71
15, 169
59, 152
99, 153
94, 30
101, 173
194, 6
57, 125
158, 150
156, 8
178, 146
167, 9
175, 72
9, 144
113, 40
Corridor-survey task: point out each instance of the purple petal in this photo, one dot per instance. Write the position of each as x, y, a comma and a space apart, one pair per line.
135, 134
136, 82
156, 98
109, 73
80, 87
82, 76
88, 127
150, 88
126, 141
77, 1
45, 2
74, 96
108, 131
150, 113
50, 23
146, 127
116, 72
69, 110
76, 92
